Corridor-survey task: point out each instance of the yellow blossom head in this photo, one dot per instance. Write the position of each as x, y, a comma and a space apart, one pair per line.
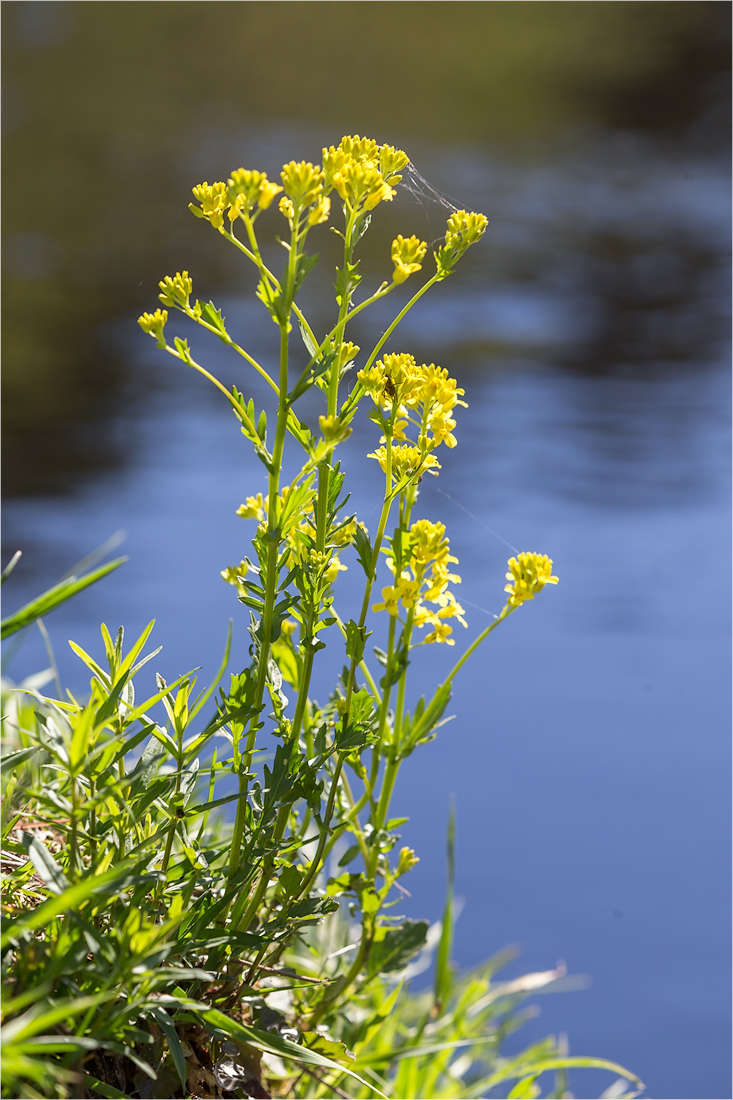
154, 324
406, 861
303, 184
529, 573
462, 230
247, 188
253, 508
176, 290
362, 172
407, 256
213, 202
233, 575
406, 460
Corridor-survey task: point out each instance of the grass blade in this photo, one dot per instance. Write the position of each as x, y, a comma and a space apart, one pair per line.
53, 597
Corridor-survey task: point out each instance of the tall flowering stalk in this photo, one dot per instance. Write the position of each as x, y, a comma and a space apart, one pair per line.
335, 765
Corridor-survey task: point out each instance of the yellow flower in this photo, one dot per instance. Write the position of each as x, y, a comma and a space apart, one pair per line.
362, 172
392, 160
214, 201
154, 324
268, 190
529, 573
320, 211
398, 381
332, 429
407, 860
253, 508
441, 632
232, 575
303, 183
335, 567
286, 208
406, 460
176, 290
246, 186
390, 601
407, 255
462, 230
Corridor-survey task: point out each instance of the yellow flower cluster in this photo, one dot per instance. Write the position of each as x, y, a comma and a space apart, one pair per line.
407, 254
462, 230
407, 860
244, 189
529, 573
175, 290
362, 172
154, 324
422, 394
425, 580
213, 202
407, 459
303, 182
232, 575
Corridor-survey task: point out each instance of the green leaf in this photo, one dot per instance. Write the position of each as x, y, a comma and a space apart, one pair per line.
525, 1089
213, 316
91, 664
356, 637
168, 1028
397, 946
330, 1047
53, 597
443, 969
46, 866
361, 725
10, 566
70, 900
13, 760
309, 908
426, 720
364, 551
349, 854
271, 1043
303, 266
44, 1016
310, 345
101, 1089
568, 1062
347, 280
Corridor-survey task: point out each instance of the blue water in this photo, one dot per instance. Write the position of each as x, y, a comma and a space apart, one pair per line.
590, 753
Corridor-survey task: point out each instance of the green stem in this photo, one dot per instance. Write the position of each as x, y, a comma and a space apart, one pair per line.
316, 863
358, 390
506, 611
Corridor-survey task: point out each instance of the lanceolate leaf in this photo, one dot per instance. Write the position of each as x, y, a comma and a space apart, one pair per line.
274, 1044
53, 597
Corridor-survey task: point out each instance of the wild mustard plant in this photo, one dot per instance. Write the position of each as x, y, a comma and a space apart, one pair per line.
200, 951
